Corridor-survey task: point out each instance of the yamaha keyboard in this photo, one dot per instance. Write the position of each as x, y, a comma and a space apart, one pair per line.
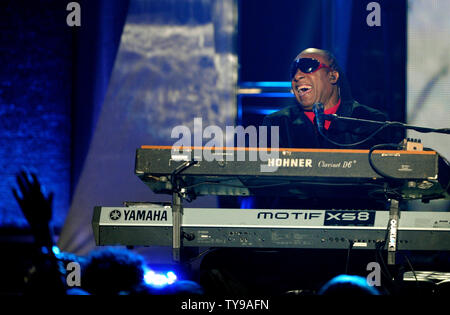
303, 173
151, 225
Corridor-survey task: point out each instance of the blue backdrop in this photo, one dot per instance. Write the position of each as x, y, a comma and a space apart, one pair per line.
75, 103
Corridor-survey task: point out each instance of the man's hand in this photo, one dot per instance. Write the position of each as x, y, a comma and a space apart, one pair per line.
36, 207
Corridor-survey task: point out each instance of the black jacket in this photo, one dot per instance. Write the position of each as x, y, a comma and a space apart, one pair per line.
297, 131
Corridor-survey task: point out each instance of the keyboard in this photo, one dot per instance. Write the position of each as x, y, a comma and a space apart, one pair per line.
151, 225
300, 173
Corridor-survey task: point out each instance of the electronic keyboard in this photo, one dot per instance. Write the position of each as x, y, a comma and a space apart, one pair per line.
301, 173
151, 225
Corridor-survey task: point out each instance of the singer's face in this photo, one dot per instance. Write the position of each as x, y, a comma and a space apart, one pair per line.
310, 88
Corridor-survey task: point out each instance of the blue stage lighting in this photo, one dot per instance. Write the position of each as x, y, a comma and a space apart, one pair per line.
159, 280
267, 111
247, 202
55, 250
348, 282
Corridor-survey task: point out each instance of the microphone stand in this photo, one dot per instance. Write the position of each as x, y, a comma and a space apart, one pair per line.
334, 117
394, 210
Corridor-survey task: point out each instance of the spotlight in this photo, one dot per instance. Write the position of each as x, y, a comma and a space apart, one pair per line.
55, 250
159, 279
171, 277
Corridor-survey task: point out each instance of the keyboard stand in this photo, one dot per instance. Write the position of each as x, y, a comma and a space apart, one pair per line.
394, 217
177, 209
177, 217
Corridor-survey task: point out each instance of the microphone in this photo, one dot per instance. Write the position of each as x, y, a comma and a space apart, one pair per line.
318, 113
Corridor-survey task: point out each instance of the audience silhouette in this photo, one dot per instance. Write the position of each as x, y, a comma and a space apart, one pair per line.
349, 285
104, 271
44, 276
120, 271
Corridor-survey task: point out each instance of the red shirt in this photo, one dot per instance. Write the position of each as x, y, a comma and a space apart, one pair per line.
328, 111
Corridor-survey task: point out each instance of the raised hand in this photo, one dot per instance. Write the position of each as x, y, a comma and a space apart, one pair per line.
35, 205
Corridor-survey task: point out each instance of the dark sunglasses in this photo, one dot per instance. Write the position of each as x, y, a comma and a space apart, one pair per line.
306, 65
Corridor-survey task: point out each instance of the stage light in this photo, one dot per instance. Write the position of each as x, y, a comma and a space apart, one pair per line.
55, 250
159, 279
171, 277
